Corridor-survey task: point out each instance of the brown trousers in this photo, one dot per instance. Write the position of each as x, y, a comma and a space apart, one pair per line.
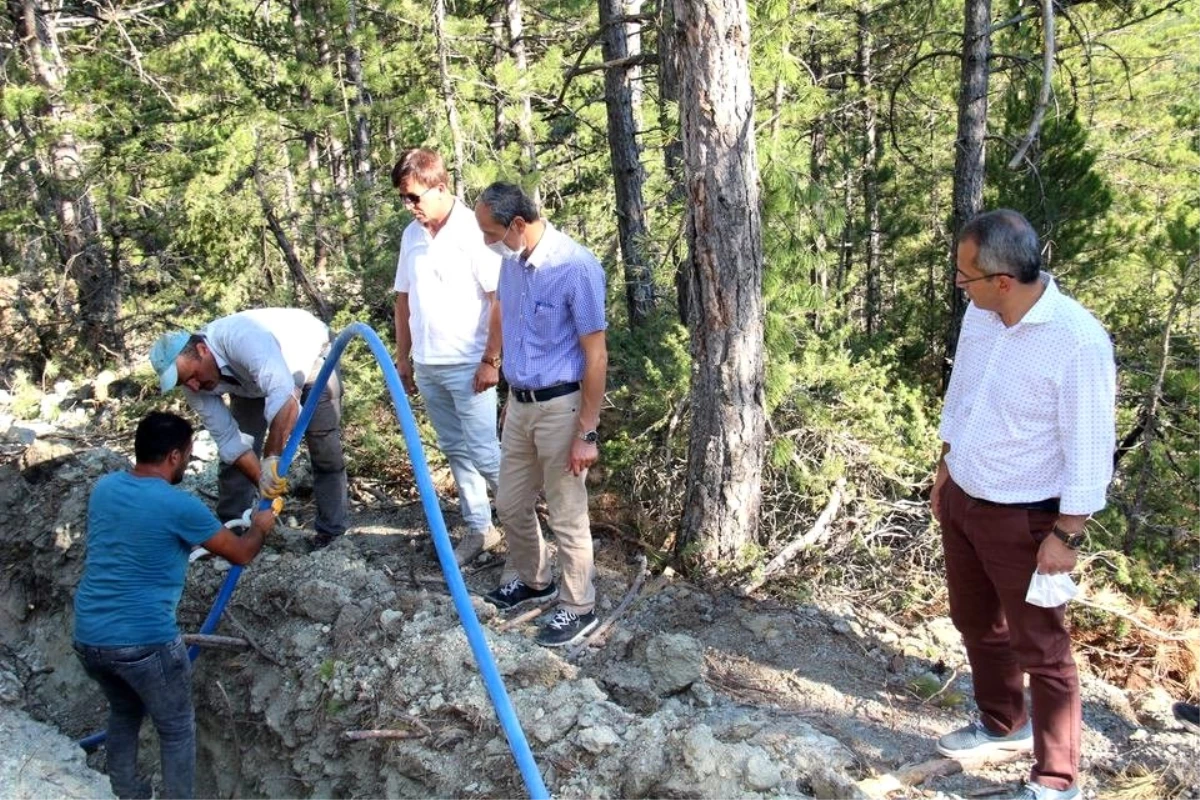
991, 553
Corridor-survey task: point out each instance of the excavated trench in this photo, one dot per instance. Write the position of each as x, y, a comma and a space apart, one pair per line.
363, 637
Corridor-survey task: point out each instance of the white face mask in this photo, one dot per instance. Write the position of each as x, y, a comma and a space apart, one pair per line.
501, 249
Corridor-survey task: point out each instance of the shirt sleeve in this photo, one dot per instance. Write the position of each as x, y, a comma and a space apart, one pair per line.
487, 267
220, 424
196, 524
401, 283
1087, 426
587, 299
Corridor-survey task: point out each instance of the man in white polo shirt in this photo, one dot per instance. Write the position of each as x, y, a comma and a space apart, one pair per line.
1028, 435
447, 336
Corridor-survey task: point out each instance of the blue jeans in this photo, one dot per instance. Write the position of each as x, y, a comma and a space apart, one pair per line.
465, 423
141, 679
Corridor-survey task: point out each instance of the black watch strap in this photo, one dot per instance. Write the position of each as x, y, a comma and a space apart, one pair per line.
1071, 540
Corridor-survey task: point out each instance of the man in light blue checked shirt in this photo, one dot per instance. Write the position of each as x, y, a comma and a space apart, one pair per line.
551, 293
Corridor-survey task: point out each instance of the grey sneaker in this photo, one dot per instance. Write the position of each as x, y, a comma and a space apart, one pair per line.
565, 628
475, 543
975, 741
1035, 791
516, 593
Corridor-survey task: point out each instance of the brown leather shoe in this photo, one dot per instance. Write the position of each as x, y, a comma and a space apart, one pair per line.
475, 543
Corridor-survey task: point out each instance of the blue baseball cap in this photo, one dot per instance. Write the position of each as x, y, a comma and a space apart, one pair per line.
162, 358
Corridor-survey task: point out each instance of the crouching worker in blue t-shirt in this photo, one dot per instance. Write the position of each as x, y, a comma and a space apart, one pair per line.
141, 529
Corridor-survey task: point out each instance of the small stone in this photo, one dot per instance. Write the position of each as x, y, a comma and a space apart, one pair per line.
598, 738
761, 773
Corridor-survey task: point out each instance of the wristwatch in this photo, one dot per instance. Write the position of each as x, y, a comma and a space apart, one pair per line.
591, 437
493, 361
1071, 540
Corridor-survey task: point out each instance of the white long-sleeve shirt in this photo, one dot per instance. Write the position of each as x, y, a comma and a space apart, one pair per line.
270, 352
1030, 410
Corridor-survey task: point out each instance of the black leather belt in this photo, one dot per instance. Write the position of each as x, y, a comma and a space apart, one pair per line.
549, 393
1050, 504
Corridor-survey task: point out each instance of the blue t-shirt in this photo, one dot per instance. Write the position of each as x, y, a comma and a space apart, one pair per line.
140, 533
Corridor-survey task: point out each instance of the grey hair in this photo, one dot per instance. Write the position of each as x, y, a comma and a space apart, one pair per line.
189, 348
507, 201
1007, 243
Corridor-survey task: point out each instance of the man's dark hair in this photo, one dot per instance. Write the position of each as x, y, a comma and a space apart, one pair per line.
189, 349
158, 434
421, 164
507, 201
1006, 242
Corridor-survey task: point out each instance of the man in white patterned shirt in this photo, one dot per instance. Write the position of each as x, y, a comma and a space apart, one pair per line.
1028, 438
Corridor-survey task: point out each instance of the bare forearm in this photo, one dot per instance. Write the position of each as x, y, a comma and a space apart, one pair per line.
594, 378
281, 428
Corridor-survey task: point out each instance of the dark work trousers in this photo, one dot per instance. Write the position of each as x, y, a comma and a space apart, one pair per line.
324, 441
991, 553
140, 680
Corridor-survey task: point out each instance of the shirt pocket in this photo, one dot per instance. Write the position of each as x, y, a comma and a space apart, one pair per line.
549, 321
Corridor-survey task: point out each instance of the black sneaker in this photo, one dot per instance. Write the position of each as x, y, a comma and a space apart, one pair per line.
1188, 714
321, 541
566, 627
516, 592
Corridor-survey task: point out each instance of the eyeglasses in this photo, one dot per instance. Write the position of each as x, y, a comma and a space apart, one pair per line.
414, 199
964, 280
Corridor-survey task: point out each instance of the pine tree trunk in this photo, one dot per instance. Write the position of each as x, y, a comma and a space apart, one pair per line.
96, 278
516, 46
870, 177
668, 96
497, 26
316, 192
360, 103
725, 261
628, 176
968, 151
456, 134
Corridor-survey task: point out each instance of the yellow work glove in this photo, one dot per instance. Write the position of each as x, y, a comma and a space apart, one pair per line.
277, 506
271, 484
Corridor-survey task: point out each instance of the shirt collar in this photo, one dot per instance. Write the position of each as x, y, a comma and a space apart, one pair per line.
1043, 309
544, 248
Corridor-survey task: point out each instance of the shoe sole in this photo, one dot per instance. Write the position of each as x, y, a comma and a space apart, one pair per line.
574, 639
991, 748
552, 596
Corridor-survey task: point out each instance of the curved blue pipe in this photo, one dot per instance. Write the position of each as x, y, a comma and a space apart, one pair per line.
441, 542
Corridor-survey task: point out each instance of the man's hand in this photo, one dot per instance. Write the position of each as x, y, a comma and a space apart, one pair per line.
583, 455
405, 368
1054, 557
271, 484
264, 520
935, 500
486, 376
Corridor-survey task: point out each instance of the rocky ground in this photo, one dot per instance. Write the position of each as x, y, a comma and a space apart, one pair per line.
693, 693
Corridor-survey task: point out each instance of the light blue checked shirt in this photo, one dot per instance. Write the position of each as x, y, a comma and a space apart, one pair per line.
546, 303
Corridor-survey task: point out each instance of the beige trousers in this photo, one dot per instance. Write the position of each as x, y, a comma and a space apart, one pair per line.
534, 448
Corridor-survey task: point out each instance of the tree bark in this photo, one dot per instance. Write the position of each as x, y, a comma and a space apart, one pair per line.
360, 103
725, 264
316, 192
97, 279
456, 134
628, 176
668, 97
870, 176
968, 152
288, 251
516, 46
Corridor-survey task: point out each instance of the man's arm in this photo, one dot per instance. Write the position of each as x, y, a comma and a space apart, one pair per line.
242, 549
220, 424
935, 500
487, 375
595, 373
404, 343
281, 427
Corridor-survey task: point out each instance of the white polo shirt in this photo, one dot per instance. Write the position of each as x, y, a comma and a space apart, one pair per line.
1030, 410
447, 278
268, 353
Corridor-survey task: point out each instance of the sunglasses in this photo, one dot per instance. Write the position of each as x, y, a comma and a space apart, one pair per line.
415, 199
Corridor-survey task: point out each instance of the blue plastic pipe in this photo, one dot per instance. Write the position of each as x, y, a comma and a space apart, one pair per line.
441, 542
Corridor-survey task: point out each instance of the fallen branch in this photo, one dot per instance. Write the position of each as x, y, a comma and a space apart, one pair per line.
219, 642
525, 616
388, 733
599, 635
818, 533
233, 620
1155, 632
